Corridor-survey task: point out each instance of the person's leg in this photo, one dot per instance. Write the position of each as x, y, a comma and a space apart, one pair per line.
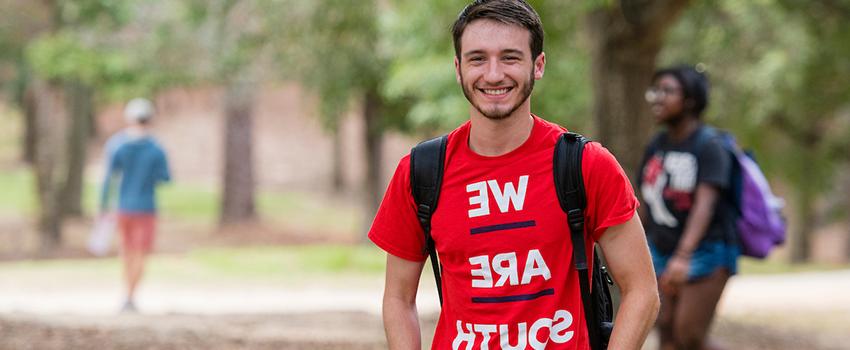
664, 322
134, 273
144, 227
128, 257
695, 310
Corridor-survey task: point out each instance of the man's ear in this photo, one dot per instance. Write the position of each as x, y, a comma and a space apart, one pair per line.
457, 70
539, 66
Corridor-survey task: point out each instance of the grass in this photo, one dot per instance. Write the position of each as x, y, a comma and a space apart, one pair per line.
263, 262
307, 211
18, 194
267, 264
297, 260
177, 201
193, 203
10, 133
771, 266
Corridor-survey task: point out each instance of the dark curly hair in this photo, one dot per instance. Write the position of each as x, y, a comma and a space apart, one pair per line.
694, 84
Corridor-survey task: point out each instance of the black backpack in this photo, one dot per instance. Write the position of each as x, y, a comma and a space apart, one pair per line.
426, 174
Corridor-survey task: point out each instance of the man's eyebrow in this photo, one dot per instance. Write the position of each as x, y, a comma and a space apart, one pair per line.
504, 52
473, 52
513, 51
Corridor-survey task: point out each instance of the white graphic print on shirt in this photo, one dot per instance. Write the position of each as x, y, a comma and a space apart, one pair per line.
671, 176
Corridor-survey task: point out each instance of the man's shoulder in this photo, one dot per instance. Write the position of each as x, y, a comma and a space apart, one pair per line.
460, 132
152, 144
115, 140
550, 125
596, 157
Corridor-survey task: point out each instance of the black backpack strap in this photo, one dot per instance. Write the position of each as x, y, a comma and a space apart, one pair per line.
427, 160
569, 185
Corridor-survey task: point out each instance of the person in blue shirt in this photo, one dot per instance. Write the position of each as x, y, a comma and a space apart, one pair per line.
137, 164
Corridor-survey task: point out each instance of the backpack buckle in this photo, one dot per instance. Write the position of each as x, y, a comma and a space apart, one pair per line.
575, 217
604, 270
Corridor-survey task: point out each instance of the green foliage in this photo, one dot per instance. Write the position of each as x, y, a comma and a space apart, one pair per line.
87, 41
779, 74
64, 57
334, 48
107, 13
422, 72
590, 5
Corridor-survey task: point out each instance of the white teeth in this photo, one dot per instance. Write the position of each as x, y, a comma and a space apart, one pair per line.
495, 92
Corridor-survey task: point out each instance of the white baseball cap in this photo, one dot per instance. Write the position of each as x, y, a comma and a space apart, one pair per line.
138, 110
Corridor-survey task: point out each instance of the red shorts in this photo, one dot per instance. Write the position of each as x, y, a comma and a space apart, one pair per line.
137, 231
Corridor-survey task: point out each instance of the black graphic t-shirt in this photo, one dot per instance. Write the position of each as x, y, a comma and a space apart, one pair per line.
668, 180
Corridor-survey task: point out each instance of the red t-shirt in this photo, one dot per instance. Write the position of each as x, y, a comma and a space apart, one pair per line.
503, 241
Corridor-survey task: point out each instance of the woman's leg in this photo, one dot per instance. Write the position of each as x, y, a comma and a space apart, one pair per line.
664, 322
695, 309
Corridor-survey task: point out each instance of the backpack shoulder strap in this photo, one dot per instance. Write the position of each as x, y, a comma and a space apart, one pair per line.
569, 184
568, 177
706, 134
427, 160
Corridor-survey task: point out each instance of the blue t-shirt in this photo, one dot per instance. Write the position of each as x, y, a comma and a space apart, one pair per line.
140, 164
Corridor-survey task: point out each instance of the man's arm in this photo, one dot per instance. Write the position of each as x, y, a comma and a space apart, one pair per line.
401, 321
109, 175
627, 254
164, 172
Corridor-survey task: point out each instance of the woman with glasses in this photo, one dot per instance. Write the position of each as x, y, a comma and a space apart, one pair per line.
689, 220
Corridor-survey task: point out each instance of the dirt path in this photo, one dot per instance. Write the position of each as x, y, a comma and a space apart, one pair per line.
796, 311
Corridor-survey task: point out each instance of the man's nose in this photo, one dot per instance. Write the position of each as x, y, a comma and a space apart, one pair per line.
494, 72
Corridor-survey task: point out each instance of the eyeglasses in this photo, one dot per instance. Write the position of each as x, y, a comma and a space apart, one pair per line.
659, 93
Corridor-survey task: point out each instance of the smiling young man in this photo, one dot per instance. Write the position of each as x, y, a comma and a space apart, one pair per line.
508, 280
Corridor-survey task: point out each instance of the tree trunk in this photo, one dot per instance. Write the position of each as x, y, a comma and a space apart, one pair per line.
337, 179
239, 183
24, 99
847, 210
806, 197
28, 112
801, 243
373, 133
50, 122
626, 39
81, 109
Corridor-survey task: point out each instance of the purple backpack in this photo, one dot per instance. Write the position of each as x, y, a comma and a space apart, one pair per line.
760, 224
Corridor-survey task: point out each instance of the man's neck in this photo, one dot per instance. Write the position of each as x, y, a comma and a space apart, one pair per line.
136, 130
491, 138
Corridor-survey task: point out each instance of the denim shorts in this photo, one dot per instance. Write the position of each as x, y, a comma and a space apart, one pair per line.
706, 259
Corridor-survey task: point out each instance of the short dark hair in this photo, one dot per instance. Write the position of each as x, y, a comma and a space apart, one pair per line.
694, 84
516, 12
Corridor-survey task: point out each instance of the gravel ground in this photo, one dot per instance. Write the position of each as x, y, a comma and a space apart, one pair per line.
808, 311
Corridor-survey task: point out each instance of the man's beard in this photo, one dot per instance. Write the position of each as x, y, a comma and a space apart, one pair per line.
497, 114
